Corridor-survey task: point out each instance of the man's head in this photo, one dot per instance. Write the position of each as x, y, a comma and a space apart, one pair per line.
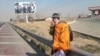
56, 17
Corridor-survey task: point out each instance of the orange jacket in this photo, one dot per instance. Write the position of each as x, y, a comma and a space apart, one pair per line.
61, 38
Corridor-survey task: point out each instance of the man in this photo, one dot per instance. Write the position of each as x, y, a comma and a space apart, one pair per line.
61, 34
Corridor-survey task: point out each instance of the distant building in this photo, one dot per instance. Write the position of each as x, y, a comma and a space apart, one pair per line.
95, 11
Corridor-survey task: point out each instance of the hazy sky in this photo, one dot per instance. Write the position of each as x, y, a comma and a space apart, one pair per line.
45, 8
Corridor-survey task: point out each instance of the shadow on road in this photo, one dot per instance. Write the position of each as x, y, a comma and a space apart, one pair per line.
31, 54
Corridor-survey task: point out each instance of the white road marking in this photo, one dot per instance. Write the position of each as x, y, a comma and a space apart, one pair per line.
72, 22
5, 55
11, 43
8, 36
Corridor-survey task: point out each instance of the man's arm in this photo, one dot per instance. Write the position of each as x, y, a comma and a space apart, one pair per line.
51, 31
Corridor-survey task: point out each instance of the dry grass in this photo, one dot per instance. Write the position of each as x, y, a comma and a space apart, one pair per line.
39, 27
86, 43
42, 28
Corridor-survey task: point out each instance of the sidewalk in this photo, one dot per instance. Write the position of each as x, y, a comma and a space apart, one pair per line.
11, 44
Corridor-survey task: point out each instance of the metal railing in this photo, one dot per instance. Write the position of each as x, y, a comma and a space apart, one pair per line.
44, 42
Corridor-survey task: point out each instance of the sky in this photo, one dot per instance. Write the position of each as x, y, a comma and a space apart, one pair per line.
45, 8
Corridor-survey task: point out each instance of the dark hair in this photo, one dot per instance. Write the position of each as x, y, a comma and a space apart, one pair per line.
56, 15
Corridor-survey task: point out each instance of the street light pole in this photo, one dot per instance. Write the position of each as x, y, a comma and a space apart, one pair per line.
26, 18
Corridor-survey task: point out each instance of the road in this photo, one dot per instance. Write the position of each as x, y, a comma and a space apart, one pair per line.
11, 44
87, 26
1, 24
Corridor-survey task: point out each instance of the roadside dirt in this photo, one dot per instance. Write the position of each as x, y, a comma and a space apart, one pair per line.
80, 41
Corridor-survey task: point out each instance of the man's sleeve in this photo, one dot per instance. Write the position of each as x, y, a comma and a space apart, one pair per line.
51, 30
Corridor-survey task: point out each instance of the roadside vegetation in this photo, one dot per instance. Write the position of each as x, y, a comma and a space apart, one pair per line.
80, 40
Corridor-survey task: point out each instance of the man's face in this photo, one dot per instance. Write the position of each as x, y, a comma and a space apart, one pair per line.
56, 20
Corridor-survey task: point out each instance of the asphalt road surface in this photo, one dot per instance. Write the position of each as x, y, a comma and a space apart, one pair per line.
90, 26
11, 44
